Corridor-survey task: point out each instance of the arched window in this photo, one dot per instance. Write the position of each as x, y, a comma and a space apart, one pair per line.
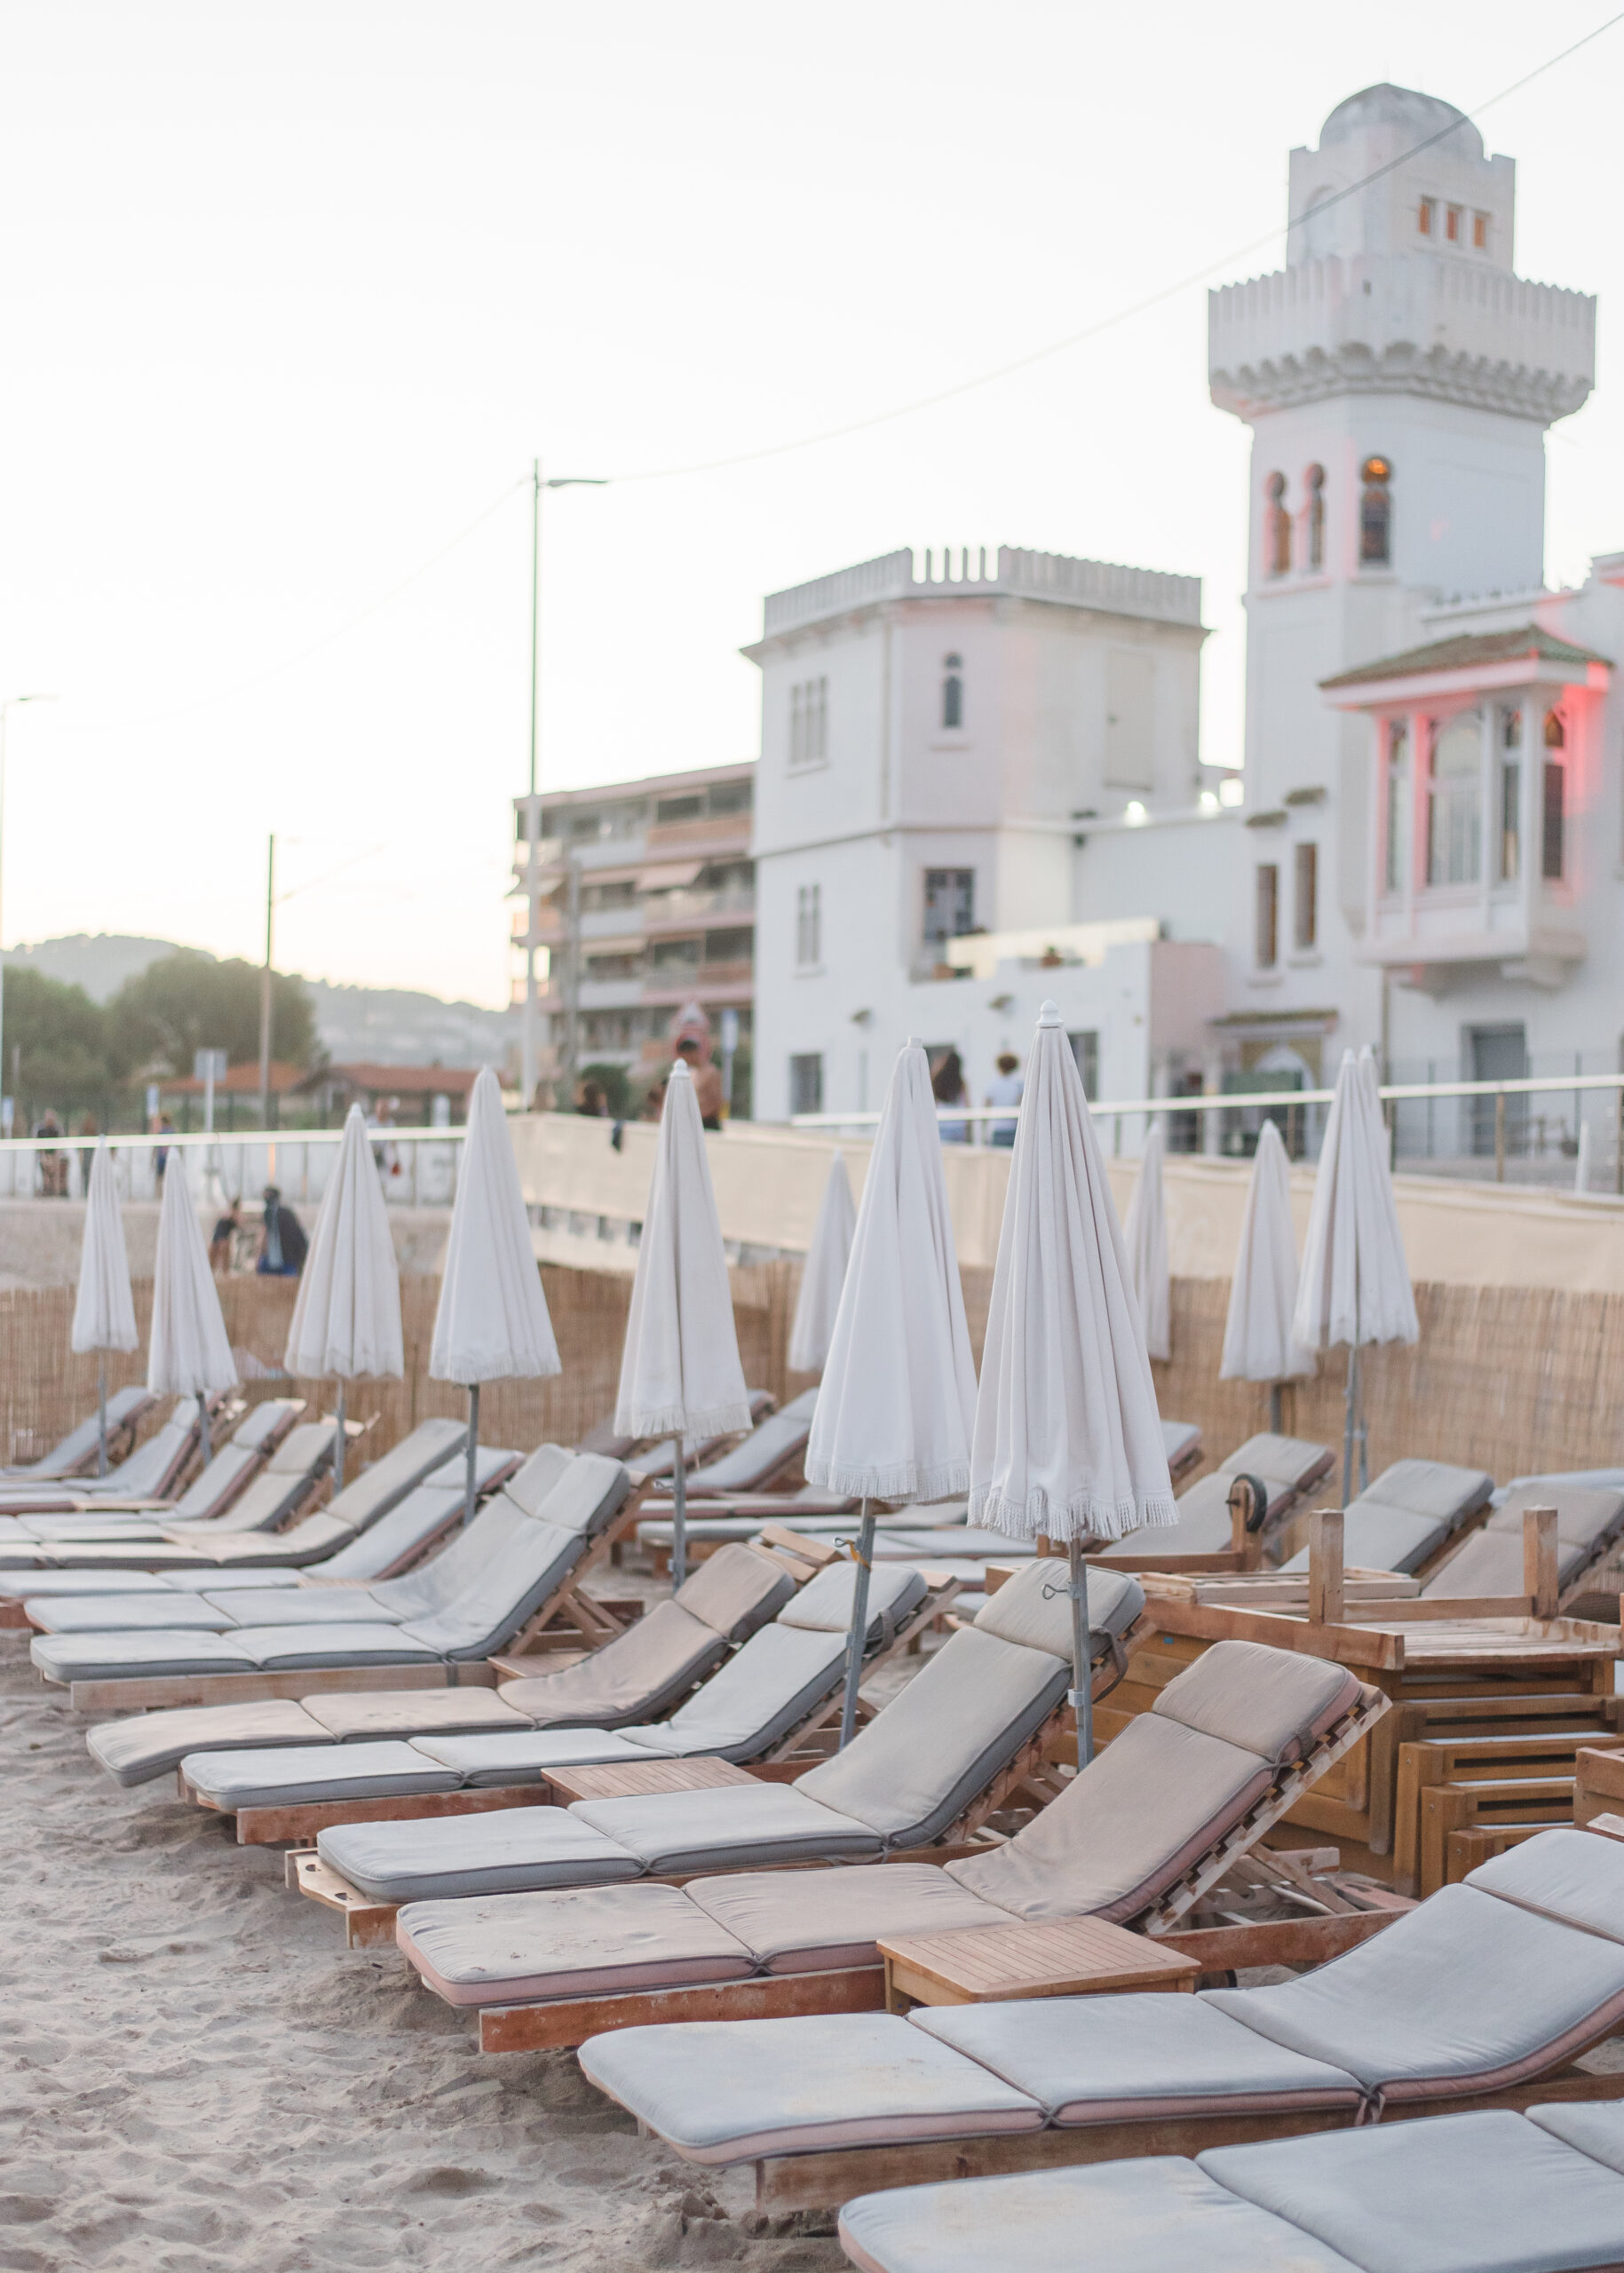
952, 691
1554, 787
1314, 482
1277, 534
1375, 513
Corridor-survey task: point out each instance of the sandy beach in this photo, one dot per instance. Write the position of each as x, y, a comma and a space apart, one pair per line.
200, 2076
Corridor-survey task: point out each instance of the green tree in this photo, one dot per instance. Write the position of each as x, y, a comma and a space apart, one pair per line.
64, 1041
189, 1001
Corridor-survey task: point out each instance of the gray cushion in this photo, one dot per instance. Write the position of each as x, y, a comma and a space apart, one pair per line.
300, 1775
766, 1449
1119, 1833
285, 1649
1485, 2193
941, 1739
735, 1591
1377, 1538
1596, 2130
435, 1586
1570, 1875
585, 1497
1035, 1608
139, 1613
726, 1826
145, 1744
530, 1484
212, 1487
1285, 1465
578, 1942
1158, 2214
1431, 1487
19, 1585
118, 1657
1586, 1519
824, 1606
1460, 1989
514, 1585
638, 1672
1179, 1438
396, 1538
1098, 2059
1274, 1702
509, 1850
812, 1921
377, 1489
524, 1755
756, 1699
725, 2091
1490, 1562
300, 1606
265, 1422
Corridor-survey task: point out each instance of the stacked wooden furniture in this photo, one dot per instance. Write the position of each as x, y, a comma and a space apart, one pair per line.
1494, 1699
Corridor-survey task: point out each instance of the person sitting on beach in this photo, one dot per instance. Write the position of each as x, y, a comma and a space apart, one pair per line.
282, 1244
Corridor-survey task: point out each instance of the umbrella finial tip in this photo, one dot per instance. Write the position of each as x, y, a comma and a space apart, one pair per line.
1050, 1015
913, 1043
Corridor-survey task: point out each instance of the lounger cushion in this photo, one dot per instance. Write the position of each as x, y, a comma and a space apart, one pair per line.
725, 1826
525, 1756
20, 1586
634, 1675
1106, 2059
724, 2092
390, 1543
578, 1941
370, 1713
1034, 1607
1158, 2214
755, 1700
435, 1585
512, 1586
1117, 1837
1485, 2193
1273, 1702
1179, 1440
138, 1613
1431, 1487
1466, 1987
285, 1649
1569, 1876
584, 1497
300, 1606
766, 1449
377, 1489
117, 1656
735, 1591
1379, 1537
300, 1776
530, 1484
257, 1427
816, 1921
509, 1850
825, 1604
941, 1740
136, 1749
1285, 1465
1596, 2130
1587, 1518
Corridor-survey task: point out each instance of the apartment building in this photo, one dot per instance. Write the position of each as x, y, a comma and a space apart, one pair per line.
638, 899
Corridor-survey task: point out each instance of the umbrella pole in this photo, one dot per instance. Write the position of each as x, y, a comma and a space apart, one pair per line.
1274, 1408
860, 1625
474, 1452
680, 1516
1361, 1434
1348, 1394
202, 1423
1083, 1690
338, 1444
101, 1411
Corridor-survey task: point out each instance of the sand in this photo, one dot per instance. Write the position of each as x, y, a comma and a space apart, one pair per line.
200, 2077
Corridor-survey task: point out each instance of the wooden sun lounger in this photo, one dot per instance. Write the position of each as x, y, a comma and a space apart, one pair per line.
369, 1923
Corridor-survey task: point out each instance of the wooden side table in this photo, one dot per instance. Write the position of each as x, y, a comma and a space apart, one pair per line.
625, 1779
1064, 1957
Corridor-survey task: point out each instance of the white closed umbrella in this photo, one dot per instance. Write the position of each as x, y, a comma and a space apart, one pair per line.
189, 1352
1584, 1164
680, 1374
1258, 1341
346, 1320
819, 1299
492, 1323
1146, 1234
1068, 1442
104, 1313
1354, 1285
897, 1407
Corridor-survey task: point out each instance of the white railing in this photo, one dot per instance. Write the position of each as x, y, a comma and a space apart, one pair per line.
419, 1165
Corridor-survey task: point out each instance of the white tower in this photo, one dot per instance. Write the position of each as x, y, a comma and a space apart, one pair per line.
1397, 377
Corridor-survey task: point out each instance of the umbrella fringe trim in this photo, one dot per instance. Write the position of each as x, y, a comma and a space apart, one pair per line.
1086, 1515
676, 1421
905, 1481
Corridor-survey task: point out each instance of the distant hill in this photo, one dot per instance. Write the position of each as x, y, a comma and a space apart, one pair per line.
386, 1026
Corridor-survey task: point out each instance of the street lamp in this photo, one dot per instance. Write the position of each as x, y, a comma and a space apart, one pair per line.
538, 482
11, 702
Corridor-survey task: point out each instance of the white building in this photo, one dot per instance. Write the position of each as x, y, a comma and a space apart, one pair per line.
934, 750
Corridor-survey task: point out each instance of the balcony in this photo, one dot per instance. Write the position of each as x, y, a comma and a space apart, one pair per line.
701, 982
668, 911
711, 834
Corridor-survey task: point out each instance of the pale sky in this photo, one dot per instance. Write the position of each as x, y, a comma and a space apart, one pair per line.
293, 294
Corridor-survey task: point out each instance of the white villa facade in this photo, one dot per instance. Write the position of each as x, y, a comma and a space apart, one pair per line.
1430, 855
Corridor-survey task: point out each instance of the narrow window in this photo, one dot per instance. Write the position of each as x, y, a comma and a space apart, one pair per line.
1304, 906
1268, 915
1375, 513
1510, 794
1277, 536
806, 1082
1452, 225
820, 719
1480, 232
953, 691
1554, 801
1453, 819
1085, 1049
1426, 216
798, 726
950, 904
809, 925
1315, 479
1397, 833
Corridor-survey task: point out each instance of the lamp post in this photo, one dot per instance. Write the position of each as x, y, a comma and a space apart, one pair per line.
538, 482
11, 702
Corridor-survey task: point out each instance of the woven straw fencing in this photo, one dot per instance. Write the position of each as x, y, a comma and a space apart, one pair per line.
1508, 1379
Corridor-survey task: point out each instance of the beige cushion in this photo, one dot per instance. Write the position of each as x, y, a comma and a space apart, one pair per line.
572, 1942
144, 1744
635, 1674
1430, 1487
408, 1712
1274, 1702
1585, 1517
1142, 1812
1490, 1562
1287, 1462
815, 1921
529, 1485
1034, 1607
735, 1590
